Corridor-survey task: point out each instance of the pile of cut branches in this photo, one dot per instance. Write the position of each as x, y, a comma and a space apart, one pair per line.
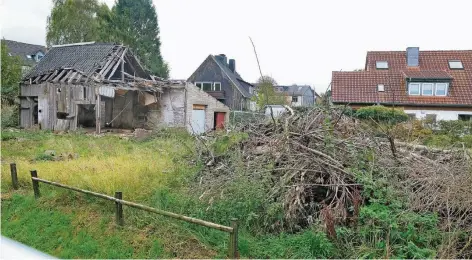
312, 160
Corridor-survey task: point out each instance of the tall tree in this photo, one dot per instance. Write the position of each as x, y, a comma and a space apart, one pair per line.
137, 27
266, 94
72, 21
11, 75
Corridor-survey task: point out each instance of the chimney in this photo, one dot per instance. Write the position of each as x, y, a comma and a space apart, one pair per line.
413, 56
222, 59
232, 65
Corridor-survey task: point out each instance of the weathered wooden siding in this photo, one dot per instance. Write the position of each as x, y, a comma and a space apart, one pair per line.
53, 98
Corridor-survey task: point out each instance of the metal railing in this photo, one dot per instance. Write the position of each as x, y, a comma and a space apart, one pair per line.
119, 202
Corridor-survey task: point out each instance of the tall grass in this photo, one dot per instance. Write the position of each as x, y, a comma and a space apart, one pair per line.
105, 164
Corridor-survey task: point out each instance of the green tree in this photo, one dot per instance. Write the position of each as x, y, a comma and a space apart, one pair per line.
137, 27
266, 94
11, 75
9, 85
73, 21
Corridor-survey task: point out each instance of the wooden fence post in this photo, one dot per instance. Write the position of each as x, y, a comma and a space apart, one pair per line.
14, 176
35, 184
233, 240
119, 208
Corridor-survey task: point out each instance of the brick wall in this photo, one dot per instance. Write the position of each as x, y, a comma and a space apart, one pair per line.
195, 96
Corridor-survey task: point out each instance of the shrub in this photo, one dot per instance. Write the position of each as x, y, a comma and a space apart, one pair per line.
411, 130
9, 116
455, 128
382, 114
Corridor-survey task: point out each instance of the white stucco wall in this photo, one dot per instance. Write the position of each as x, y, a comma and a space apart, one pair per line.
298, 103
440, 114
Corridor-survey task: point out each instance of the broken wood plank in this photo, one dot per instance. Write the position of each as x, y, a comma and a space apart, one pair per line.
52, 75
56, 79
67, 76
113, 59
117, 64
72, 77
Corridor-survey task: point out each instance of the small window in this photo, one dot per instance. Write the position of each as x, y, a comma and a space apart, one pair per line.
441, 89
217, 86
427, 89
455, 65
412, 116
207, 86
381, 87
465, 117
294, 99
381, 65
199, 85
414, 89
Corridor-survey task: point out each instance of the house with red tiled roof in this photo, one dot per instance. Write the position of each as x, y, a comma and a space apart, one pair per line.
434, 84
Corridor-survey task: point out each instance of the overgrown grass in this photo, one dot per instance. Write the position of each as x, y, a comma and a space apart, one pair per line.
77, 226
105, 164
159, 172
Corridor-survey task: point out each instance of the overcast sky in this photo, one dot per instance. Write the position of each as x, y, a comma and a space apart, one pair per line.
298, 42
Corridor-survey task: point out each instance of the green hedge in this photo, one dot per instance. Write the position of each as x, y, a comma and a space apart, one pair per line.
382, 114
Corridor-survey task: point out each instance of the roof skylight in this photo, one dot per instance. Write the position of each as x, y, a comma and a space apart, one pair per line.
381, 65
456, 65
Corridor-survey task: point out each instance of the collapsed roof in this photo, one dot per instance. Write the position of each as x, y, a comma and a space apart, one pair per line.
105, 63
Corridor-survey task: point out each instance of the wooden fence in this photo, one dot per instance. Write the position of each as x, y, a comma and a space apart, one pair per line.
119, 202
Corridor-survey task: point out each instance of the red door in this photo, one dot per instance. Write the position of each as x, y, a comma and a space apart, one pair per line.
220, 120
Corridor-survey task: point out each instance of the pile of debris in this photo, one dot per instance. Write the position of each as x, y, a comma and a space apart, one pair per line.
313, 159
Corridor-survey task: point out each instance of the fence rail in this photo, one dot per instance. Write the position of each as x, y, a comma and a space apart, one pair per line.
119, 202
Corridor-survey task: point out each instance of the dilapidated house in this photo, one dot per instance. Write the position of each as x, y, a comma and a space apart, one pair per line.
63, 90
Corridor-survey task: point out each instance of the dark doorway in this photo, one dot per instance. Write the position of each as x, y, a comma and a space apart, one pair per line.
35, 114
86, 115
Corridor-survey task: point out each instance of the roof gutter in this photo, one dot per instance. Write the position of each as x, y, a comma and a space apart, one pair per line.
404, 104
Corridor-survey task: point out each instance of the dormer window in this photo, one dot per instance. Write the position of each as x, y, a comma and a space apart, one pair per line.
381, 65
414, 89
456, 65
428, 89
381, 87
441, 89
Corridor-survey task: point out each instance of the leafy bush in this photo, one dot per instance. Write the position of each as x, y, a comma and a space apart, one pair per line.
455, 128
411, 131
225, 142
382, 114
9, 116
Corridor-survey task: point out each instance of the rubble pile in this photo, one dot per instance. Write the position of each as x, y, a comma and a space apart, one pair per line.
313, 160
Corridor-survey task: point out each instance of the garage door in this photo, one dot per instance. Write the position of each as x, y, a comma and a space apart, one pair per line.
198, 120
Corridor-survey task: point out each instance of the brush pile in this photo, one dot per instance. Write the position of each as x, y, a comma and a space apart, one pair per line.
313, 160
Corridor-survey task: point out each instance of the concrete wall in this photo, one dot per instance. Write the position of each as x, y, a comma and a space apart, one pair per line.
170, 110
440, 114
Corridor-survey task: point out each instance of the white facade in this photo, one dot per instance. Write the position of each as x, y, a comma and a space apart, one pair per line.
298, 103
440, 114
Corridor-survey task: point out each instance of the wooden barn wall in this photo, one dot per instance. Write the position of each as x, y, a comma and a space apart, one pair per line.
53, 98
123, 109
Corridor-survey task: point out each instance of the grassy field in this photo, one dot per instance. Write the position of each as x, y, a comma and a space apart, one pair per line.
161, 171
71, 225
155, 172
